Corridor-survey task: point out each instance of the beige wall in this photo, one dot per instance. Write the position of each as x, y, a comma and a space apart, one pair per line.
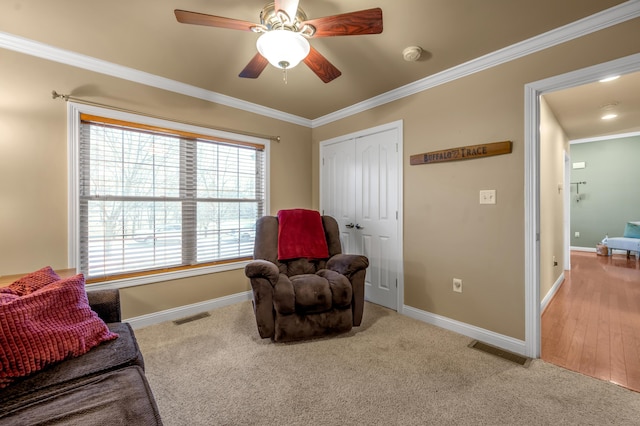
33, 168
447, 233
553, 144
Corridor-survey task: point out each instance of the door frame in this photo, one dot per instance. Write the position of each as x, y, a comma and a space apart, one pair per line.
398, 126
566, 211
533, 91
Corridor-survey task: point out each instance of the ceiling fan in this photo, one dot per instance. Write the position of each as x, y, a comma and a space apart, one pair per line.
285, 31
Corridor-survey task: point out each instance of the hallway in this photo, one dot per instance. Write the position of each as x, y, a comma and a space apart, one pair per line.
592, 325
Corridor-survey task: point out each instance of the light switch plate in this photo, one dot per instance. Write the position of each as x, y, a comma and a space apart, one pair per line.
488, 196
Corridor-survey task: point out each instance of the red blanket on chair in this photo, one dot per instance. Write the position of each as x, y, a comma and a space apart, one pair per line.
301, 234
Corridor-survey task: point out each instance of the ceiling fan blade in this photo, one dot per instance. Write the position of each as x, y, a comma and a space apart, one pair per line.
321, 66
255, 67
354, 23
186, 17
289, 6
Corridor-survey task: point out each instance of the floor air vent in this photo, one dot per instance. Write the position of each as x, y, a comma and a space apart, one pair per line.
509, 356
191, 318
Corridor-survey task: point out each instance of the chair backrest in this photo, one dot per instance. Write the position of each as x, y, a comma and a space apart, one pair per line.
266, 246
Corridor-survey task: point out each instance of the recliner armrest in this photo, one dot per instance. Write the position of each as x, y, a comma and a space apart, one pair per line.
106, 303
347, 264
262, 269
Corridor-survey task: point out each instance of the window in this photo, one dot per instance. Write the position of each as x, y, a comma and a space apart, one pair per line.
151, 199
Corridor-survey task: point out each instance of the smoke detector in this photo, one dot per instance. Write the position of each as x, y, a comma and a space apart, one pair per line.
412, 53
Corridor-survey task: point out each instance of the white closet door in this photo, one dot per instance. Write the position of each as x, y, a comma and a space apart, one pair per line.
359, 184
376, 214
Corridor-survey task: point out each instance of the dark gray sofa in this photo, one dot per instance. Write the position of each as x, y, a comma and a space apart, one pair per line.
106, 385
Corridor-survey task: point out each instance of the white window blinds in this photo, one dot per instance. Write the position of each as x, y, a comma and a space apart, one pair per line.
154, 199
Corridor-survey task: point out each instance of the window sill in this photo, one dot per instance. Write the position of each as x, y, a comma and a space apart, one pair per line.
166, 276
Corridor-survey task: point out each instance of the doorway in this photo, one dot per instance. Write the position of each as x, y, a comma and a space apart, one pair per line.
591, 322
361, 187
533, 91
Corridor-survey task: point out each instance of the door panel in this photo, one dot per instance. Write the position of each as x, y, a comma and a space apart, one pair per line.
372, 273
376, 207
386, 254
338, 189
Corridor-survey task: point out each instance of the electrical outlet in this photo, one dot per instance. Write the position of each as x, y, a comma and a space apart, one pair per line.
457, 285
488, 196
576, 234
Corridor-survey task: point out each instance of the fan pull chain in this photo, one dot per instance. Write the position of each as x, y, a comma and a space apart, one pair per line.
284, 75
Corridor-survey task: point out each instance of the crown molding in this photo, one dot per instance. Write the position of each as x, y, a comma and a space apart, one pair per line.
605, 138
67, 57
607, 18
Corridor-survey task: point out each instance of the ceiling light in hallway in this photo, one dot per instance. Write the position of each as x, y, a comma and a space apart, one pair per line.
608, 79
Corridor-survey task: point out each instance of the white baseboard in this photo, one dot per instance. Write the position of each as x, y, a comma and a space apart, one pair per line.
592, 249
187, 310
498, 340
486, 336
551, 293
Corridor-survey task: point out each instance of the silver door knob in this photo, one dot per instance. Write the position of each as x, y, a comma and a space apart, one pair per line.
359, 227
349, 225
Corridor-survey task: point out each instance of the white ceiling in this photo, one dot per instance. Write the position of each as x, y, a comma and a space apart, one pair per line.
580, 109
144, 35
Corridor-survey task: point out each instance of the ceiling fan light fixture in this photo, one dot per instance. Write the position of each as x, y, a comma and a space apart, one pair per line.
283, 49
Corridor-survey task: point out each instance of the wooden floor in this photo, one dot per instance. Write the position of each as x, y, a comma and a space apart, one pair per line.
592, 324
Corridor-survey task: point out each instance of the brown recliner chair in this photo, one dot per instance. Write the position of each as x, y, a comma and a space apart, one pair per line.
303, 298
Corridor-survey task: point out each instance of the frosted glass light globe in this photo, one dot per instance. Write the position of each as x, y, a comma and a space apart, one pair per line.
283, 48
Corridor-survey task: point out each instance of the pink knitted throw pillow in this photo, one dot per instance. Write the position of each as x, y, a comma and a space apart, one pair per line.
45, 326
31, 282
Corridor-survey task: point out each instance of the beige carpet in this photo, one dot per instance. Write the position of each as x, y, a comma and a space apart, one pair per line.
391, 370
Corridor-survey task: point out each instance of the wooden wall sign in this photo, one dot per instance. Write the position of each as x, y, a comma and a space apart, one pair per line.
462, 153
